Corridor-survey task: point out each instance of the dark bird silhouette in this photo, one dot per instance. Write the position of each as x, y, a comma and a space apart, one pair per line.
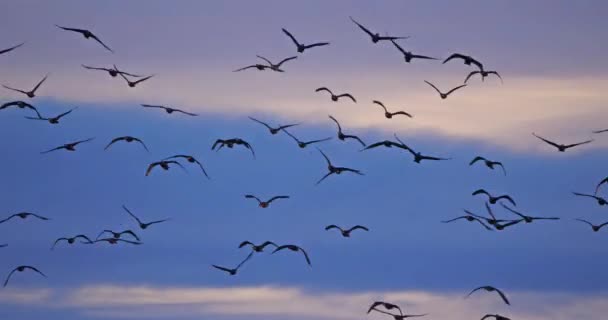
255, 248
495, 316
169, 110
386, 305
385, 143
418, 157
304, 144
494, 199
132, 84
335, 97
113, 72
164, 164
401, 316
118, 235
483, 74
490, 164
491, 289
21, 269
594, 227
468, 60
346, 233
265, 204
301, 47
408, 55
20, 105
31, 93
343, 136
562, 147
600, 201
444, 95
230, 143
375, 36
272, 130
597, 188
68, 146
53, 120
335, 170
87, 35
233, 272
277, 67
190, 159
260, 67
127, 139
142, 225
72, 240
527, 219
293, 248
389, 115
3, 51
24, 215
114, 241
469, 218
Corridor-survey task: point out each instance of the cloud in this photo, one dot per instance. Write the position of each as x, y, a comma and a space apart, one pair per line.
24, 296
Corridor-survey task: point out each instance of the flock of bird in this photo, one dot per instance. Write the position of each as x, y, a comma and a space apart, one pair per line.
489, 222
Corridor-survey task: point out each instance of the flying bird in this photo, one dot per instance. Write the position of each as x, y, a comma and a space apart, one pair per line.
491, 289
494, 199
469, 218
468, 60
53, 120
257, 248
335, 170
389, 115
260, 67
597, 188
20, 105
164, 164
233, 272
87, 35
31, 93
490, 164
304, 144
127, 139
562, 147
408, 55
277, 67
265, 204
418, 157
384, 143
346, 232
495, 316
113, 72
3, 51
386, 305
24, 215
343, 136
483, 74
72, 240
293, 248
600, 201
142, 225
169, 110
114, 241
527, 219
190, 159
132, 84
275, 130
118, 235
230, 143
444, 95
375, 36
68, 146
335, 97
301, 47
594, 227
401, 316
21, 269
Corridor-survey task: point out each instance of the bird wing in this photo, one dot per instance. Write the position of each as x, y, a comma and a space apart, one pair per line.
585, 221
140, 80
362, 27
94, 68
578, 144
496, 73
455, 219
584, 195
399, 47
288, 126
114, 141
141, 142
508, 198
357, 227
356, 138
292, 136
150, 167
455, 56
352, 170
325, 156
340, 127
39, 217
245, 260
324, 177
54, 149
480, 191
11, 48
470, 75
66, 113
186, 113
402, 113
417, 56
17, 90
432, 85
72, 29
222, 268
9, 277
131, 233
547, 141
348, 95
277, 197
473, 291
317, 44
476, 159
597, 188
250, 196
323, 89
267, 61
454, 89
332, 226
291, 36
57, 241
513, 211
101, 42
266, 243
260, 122
40, 83
380, 104
82, 141
83, 237
245, 68
317, 141
503, 296
305, 256
244, 243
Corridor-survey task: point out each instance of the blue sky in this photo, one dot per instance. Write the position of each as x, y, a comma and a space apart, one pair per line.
551, 270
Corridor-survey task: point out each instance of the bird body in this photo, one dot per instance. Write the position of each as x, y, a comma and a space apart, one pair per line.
494, 199
346, 232
230, 143
164, 164
490, 164
335, 170
302, 47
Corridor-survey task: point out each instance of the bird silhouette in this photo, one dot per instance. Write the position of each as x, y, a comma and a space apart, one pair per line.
594, 227
257, 248
142, 225
127, 139
233, 272
20, 105
384, 143
418, 157
495, 316
408, 55
304, 144
260, 67
68, 146
31, 93
444, 95
24, 215
265, 204
386, 305
490, 164
113, 72
343, 136
114, 241
562, 147
3, 51
132, 84
335, 97
274, 130
87, 35
190, 159
72, 240
230, 143
491, 289
346, 232
390, 115
527, 219
600, 201
302, 47
21, 269
293, 248
468, 60
469, 218
277, 67
164, 164
376, 37
53, 120
494, 199
169, 110
483, 74
335, 170
118, 235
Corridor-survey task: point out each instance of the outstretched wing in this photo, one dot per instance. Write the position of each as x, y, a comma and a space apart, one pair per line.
348, 95
432, 85
101, 42
380, 104
362, 27
546, 141
454, 89
291, 36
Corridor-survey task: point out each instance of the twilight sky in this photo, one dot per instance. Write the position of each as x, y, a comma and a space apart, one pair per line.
550, 53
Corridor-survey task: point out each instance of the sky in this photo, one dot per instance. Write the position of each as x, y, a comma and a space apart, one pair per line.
550, 55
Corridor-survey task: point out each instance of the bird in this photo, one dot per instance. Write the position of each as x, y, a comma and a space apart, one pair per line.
389, 115
117, 235
4, 245
408, 55
418, 157
113, 72
384, 143
491, 289
72, 240
169, 110
376, 37
127, 139
114, 241
142, 225
24, 215
260, 67
164, 164
68, 146
302, 47
20, 105
3, 51
597, 188
386, 305
53, 120
495, 316
272, 130
594, 227
31, 93
490, 164
335, 97
335, 170
257, 248
469, 218
343, 136
294, 248
527, 219
230, 143
277, 67
304, 144
190, 159
562, 147
265, 204
468, 60
132, 84
483, 74
346, 233
445, 95
21, 269
233, 272
494, 199
87, 35
600, 201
